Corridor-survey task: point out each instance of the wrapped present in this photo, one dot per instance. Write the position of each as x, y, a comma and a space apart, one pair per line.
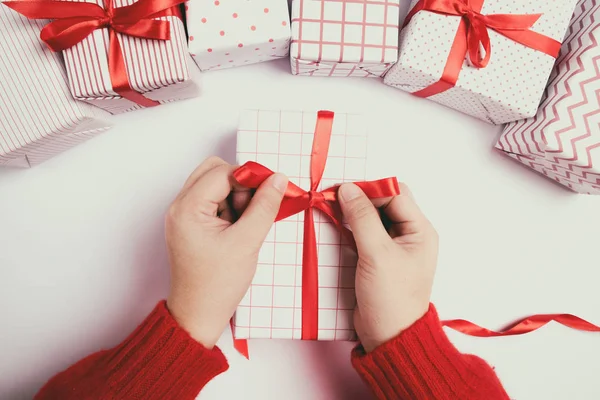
121, 55
563, 140
344, 38
38, 116
511, 48
304, 283
226, 34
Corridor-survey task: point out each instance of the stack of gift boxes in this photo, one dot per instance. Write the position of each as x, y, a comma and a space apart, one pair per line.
533, 66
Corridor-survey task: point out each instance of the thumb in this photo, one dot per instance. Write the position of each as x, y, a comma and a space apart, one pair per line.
259, 216
363, 218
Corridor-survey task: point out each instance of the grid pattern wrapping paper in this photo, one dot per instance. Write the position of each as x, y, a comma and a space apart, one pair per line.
159, 69
509, 88
38, 116
345, 37
272, 307
563, 140
229, 33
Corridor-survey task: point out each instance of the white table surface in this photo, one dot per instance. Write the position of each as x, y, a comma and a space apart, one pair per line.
83, 259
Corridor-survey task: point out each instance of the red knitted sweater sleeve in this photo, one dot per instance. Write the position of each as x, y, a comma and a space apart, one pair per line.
422, 364
158, 361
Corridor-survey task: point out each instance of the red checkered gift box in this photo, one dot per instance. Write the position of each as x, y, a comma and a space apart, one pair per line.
344, 37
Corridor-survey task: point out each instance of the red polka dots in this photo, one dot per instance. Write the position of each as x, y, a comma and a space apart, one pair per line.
191, 38
253, 28
209, 50
217, 3
227, 54
284, 23
240, 45
222, 33
203, 20
266, 10
270, 40
234, 15
258, 48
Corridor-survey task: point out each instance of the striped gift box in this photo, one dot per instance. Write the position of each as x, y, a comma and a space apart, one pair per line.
344, 37
158, 69
562, 141
38, 116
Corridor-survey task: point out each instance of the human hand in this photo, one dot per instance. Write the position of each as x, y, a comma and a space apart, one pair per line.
397, 257
214, 231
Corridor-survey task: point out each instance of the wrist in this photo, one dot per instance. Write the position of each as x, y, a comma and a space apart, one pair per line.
196, 326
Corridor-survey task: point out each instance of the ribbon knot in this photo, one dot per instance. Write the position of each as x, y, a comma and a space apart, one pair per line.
315, 198
74, 21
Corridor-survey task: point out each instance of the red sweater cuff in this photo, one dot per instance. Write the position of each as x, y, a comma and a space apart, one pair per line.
422, 364
159, 360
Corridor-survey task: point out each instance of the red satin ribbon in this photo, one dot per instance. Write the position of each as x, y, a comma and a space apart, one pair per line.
522, 326
296, 200
473, 34
74, 21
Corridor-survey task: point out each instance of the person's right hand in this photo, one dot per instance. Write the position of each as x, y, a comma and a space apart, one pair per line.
397, 257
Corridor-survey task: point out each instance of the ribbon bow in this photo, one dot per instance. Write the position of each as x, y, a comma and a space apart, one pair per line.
296, 200
74, 21
472, 35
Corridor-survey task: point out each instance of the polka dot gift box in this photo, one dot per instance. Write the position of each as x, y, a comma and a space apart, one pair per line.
562, 141
121, 55
38, 116
487, 58
234, 33
344, 37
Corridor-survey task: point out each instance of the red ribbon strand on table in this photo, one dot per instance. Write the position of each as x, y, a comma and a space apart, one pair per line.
297, 200
523, 326
73, 22
473, 34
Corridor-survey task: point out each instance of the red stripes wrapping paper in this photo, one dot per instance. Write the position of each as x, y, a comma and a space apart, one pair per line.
236, 33
344, 37
562, 141
158, 69
509, 88
38, 116
272, 308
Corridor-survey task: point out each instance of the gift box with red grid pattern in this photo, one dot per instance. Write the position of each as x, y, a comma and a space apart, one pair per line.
272, 307
344, 38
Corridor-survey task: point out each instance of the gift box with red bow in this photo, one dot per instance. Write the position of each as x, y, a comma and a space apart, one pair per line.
226, 34
562, 141
304, 283
487, 58
38, 116
120, 55
345, 37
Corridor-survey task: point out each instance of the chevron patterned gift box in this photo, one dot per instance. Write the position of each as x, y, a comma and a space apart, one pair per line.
563, 140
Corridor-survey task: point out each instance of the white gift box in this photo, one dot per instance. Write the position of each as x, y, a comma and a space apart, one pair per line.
38, 116
344, 38
224, 34
159, 69
563, 140
509, 88
272, 307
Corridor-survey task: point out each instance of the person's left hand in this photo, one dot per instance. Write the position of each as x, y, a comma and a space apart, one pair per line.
214, 231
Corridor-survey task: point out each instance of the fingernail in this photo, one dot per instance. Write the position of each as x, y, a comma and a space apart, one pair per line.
280, 182
349, 191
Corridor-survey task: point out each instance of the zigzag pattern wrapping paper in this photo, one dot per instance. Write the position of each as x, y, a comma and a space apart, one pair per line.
563, 140
38, 116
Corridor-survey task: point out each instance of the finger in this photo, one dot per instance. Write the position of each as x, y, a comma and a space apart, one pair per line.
203, 168
211, 189
240, 200
254, 224
363, 218
404, 214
